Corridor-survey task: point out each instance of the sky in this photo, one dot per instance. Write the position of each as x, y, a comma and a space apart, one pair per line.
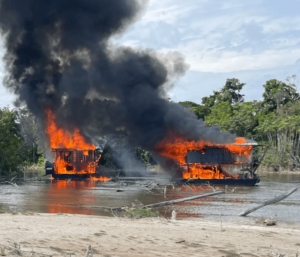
253, 41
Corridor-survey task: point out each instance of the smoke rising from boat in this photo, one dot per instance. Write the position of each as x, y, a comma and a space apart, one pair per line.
59, 56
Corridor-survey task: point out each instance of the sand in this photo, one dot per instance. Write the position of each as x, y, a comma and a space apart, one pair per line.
69, 234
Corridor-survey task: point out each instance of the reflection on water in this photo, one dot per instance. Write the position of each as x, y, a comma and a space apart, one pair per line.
78, 197
62, 194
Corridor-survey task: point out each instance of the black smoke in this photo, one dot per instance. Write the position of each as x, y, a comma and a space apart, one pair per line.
59, 55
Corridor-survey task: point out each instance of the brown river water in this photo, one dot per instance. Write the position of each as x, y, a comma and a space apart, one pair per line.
81, 197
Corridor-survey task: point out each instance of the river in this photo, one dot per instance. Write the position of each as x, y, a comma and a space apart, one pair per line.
78, 197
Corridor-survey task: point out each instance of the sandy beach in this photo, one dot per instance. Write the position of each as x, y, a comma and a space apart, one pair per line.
70, 235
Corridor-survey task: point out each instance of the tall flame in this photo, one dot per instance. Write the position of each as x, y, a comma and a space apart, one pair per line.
59, 138
176, 147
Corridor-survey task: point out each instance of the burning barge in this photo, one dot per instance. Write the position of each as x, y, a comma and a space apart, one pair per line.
198, 162
74, 157
75, 164
209, 165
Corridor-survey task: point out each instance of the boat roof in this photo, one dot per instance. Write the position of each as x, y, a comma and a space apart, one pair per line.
71, 149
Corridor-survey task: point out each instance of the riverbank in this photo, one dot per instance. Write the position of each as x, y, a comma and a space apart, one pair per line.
65, 234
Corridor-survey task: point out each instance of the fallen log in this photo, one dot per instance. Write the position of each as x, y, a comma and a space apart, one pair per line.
182, 199
155, 204
274, 200
88, 251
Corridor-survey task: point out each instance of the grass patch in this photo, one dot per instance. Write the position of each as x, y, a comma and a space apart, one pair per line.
141, 213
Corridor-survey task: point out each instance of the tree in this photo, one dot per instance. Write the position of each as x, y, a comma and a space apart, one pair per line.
10, 143
282, 132
220, 115
244, 120
29, 132
278, 93
229, 93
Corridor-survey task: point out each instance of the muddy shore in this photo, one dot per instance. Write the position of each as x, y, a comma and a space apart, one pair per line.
65, 234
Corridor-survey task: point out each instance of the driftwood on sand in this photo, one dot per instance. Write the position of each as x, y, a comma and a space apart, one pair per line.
183, 199
88, 251
274, 200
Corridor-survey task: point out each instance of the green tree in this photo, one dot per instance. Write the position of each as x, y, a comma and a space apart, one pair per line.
282, 132
11, 143
243, 121
277, 94
230, 92
220, 115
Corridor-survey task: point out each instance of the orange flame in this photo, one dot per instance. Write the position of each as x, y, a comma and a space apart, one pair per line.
102, 179
176, 147
59, 138
62, 165
198, 171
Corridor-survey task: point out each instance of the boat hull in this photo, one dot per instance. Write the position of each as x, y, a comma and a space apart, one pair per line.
229, 182
70, 176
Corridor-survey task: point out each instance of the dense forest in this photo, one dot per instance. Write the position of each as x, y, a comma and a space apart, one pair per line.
274, 122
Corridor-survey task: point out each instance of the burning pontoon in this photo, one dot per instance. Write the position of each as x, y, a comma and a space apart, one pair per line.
73, 163
74, 158
204, 162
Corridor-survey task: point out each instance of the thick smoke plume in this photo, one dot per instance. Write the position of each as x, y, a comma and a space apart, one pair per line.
59, 55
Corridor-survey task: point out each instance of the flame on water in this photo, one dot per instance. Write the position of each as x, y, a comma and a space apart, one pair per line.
176, 147
59, 138
101, 179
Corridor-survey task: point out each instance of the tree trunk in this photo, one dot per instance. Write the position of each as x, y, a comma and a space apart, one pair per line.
298, 145
278, 144
291, 146
274, 200
283, 148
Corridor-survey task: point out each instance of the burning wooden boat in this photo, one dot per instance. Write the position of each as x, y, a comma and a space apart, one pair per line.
198, 161
220, 166
74, 158
205, 162
75, 164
